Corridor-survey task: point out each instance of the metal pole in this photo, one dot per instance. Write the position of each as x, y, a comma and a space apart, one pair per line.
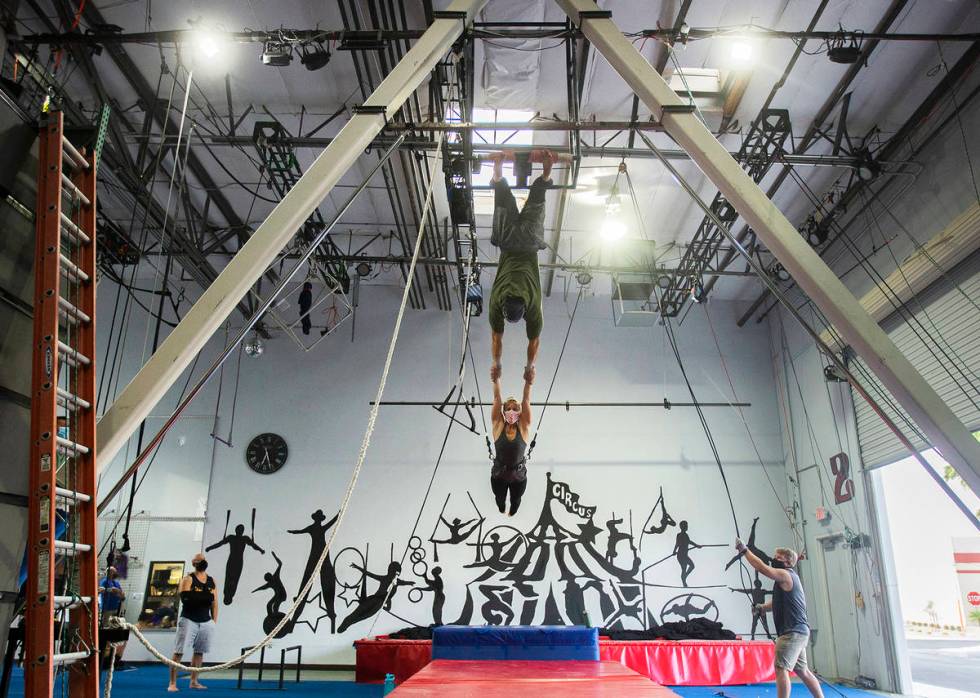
944, 429
106, 499
217, 302
568, 404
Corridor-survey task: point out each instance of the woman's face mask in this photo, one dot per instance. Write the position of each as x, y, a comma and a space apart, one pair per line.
511, 416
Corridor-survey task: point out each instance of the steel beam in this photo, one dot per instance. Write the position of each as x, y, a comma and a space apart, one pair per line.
212, 308
945, 431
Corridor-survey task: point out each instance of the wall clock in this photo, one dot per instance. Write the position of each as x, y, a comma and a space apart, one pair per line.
266, 453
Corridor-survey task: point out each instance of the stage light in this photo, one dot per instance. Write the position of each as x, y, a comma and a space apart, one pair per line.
663, 282
612, 229
583, 278
742, 54
363, 269
844, 48
314, 59
277, 53
207, 43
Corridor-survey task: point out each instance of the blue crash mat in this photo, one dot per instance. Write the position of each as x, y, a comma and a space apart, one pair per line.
545, 642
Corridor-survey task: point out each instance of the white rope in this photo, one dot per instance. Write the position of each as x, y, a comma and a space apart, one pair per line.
361, 456
112, 667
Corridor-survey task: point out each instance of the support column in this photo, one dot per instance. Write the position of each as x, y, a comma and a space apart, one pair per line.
213, 307
934, 417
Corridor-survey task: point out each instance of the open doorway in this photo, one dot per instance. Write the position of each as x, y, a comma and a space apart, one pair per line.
936, 552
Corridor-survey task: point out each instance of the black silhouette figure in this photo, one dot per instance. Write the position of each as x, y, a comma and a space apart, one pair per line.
459, 531
435, 584
665, 518
498, 609
494, 560
575, 599
328, 576
237, 542
751, 546
758, 596
370, 604
305, 301
682, 548
273, 615
615, 535
688, 610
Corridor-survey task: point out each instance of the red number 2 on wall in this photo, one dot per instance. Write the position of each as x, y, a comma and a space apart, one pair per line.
840, 466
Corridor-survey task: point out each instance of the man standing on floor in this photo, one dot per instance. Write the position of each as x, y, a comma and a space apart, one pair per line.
788, 607
198, 614
516, 293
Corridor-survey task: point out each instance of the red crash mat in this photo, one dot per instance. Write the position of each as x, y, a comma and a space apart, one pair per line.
695, 662
448, 678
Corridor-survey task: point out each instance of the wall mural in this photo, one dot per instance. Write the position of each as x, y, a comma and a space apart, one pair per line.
553, 573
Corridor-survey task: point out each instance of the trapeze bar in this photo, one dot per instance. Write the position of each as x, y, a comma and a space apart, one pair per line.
666, 404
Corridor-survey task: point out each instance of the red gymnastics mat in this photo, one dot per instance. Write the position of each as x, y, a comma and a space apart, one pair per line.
672, 663
450, 678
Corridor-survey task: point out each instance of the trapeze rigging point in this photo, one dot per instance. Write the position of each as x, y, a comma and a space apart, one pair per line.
441, 406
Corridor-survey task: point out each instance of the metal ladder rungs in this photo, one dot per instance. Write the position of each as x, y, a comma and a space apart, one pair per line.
76, 158
73, 356
66, 399
71, 270
68, 445
71, 312
69, 548
73, 230
69, 657
71, 494
75, 193
71, 601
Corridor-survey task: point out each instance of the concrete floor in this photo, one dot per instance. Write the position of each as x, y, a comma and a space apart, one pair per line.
946, 665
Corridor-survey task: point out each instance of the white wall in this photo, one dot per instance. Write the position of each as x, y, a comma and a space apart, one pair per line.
614, 459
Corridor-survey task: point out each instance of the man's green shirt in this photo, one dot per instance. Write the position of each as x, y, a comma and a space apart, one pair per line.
517, 276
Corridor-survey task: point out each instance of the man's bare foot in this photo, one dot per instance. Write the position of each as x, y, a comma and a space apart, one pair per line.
199, 687
172, 688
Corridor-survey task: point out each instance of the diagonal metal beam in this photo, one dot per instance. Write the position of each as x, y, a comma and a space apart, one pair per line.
944, 430
176, 352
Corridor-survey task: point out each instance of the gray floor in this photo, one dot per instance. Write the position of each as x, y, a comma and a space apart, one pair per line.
951, 664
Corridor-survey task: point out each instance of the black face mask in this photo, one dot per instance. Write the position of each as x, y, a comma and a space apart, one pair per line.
201, 565
779, 565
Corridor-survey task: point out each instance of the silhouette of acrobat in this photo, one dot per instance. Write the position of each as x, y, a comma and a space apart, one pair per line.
687, 609
236, 543
436, 585
368, 605
758, 596
317, 532
751, 546
615, 535
682, 549
665, 518
273, 615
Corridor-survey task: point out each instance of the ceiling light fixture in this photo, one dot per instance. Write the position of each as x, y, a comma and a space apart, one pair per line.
314, 58
844, 47
742, 54
363, 269
207, 43
277, 53
612, 229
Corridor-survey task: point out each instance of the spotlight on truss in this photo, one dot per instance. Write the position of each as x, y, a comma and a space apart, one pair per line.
583, 278
277, 53
363, 269
778, 272
832, 374
844, 47
314, 58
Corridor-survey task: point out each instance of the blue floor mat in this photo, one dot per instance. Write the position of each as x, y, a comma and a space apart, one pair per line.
151, 681
766, 690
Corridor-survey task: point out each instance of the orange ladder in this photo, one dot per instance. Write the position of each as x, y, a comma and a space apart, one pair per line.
62, 613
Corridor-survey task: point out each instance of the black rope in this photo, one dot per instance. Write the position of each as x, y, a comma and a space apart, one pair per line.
554, 377
704, 422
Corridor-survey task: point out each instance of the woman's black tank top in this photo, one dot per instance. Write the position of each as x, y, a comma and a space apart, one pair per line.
509, 463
